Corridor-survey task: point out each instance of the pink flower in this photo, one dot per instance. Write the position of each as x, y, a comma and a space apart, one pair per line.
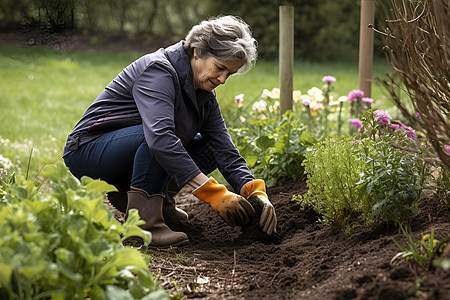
356, 123
383, 117
417, 114
328, 79
447, 148
367, 100
411, 134
355, 95
306, 102
407, 128
394, 126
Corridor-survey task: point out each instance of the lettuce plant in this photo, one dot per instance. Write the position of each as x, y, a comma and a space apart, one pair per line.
62, 242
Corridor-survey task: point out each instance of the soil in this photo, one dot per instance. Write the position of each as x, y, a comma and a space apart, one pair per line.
305, 260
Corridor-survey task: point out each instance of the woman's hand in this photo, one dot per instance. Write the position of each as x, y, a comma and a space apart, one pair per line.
233, 208
255, 192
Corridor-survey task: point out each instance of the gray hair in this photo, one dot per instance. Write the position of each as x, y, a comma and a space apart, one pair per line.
226, 38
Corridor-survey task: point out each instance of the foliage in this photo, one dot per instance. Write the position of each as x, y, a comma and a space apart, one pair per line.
111, 16
333, 172
421, 253
274, 150
66, 244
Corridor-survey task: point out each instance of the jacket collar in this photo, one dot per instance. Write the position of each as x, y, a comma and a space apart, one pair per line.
182, 64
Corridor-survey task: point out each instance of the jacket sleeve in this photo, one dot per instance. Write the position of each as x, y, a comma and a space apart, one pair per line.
155, 92
230, 162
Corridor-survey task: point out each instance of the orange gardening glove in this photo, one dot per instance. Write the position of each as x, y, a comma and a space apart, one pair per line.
255, 192
234, 209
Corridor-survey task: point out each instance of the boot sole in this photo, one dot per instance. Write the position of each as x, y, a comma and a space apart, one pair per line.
179, 244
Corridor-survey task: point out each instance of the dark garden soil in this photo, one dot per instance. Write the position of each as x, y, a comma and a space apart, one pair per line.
306, 260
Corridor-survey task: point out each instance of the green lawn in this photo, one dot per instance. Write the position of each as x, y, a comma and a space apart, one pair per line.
45, 92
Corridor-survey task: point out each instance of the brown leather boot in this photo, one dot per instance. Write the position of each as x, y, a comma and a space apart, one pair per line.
150, 210
172, 214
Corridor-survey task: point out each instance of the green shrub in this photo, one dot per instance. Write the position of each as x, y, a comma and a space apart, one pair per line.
392, 180
66, 244
333, 172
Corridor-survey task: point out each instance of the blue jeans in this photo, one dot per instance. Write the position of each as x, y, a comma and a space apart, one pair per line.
123, 159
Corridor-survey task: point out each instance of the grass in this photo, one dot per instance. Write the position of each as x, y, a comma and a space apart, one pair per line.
45, 92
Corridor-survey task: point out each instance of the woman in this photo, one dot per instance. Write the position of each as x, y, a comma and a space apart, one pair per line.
159, 119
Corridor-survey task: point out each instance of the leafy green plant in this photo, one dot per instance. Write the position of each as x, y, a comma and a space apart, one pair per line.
392, 179
421, 253
64, 243
274, 150
333, 171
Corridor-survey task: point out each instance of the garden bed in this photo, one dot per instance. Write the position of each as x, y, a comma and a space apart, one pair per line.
307, 260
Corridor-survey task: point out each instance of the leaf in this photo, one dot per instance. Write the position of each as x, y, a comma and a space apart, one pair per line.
117, 293
131, 227
129, 257
157, 295
264, 142
96, 185
5, 274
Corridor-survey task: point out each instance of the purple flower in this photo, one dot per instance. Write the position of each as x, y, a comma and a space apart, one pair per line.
407, 128
328, 79
356, 123
383, 117
395, 126
411, 134
447, 148
367, 100
417, 114
355, 95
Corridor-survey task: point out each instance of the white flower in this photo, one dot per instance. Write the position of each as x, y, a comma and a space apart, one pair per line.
297, 95
266, 94
316, 93
275, 93
260, 106
5, 163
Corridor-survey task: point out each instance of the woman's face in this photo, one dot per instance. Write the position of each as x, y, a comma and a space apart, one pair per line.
210, 72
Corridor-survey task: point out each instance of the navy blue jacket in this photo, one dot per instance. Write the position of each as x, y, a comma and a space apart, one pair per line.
157, 91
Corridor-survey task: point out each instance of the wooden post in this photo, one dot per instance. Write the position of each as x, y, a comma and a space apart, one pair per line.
286, 67
366, 47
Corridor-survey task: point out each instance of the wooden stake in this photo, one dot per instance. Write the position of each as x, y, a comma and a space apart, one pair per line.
366, 47
286, 67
